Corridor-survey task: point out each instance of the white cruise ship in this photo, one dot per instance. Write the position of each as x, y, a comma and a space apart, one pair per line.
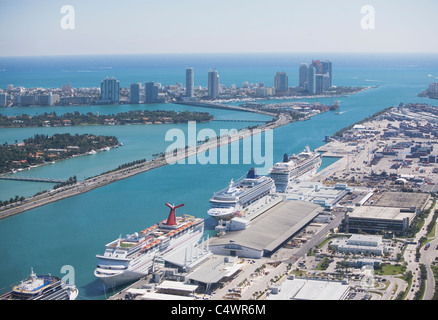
234, 200
296, 167
42, 287
131, 258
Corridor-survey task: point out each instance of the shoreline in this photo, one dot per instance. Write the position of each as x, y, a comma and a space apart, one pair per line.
114, 176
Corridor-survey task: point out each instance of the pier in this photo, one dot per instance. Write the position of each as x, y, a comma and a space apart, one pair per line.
31, 179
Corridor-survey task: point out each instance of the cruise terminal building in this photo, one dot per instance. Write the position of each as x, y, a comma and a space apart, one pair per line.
266, 233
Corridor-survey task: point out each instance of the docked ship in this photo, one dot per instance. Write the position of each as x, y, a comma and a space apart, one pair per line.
295, 168
137, 255
238, 196
41, 287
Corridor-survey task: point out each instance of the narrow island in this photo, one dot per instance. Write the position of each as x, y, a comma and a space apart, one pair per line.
124, 118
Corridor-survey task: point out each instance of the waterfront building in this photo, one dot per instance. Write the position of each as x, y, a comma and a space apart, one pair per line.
213, 84
327, 70
76, 100
281, 82
151, 92
268, 232
3, 99
319, 86
302, 76
317, 65
134, 93
25, 100
264, 92
433, 87
311, 80
110, 90
326, 81
190, 80
47, 99
316, 78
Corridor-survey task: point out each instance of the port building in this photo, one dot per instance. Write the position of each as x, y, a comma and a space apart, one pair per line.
392, 211
267, 232
358, 243
294, 288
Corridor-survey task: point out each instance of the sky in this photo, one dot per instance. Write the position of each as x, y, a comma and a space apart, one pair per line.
30, 27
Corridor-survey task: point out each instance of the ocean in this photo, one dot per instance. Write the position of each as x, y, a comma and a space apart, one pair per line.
72, 231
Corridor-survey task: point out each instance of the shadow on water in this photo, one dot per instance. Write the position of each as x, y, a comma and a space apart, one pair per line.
96, 290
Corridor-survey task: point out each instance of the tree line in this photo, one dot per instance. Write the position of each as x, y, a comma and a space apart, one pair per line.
130, 117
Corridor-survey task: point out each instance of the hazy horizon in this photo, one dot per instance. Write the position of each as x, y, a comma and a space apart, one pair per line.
41, 28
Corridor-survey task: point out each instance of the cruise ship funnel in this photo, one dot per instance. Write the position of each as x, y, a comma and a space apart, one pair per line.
171, 220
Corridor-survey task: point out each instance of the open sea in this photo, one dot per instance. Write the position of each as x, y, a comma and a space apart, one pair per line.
72, 231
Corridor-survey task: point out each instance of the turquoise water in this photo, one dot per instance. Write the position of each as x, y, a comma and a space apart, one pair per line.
74, 230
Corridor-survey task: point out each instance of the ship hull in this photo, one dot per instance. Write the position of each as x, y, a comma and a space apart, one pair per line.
115, 273
284, 179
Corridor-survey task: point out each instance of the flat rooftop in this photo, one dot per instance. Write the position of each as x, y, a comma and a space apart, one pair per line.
272, 228
375, 212
402, 200
310, 289
213, 270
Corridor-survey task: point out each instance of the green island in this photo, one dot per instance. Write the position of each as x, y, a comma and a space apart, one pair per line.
42, 149
123, 118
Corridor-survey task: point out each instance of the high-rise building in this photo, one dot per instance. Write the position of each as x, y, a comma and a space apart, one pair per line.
311, 80
327, 69
281, 82
134, 93
213, 84
317, 65
433, 87
190, 81
302, 76
151, 92
45, 99
319, 83
110, 90
3, 99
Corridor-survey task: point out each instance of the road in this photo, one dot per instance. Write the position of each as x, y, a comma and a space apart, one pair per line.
283, 255
107, 178
427, 256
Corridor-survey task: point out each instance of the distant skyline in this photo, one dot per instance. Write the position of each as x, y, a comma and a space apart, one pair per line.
33, 28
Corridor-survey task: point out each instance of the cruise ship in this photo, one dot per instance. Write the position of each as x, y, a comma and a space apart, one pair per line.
296, 167
42, 287
238, 196
135, 256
